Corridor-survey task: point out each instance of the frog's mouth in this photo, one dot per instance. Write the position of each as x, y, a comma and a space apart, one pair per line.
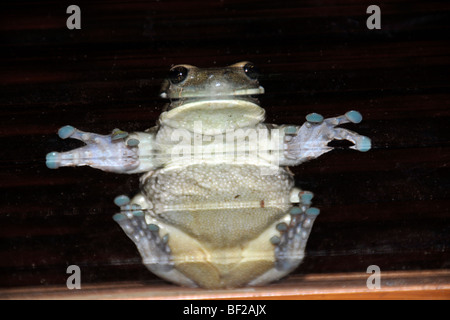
214, 116
218, 92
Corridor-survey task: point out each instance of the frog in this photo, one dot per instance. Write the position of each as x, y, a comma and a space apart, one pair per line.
217, 205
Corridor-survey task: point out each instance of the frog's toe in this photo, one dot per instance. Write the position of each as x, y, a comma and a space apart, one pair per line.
314, 118
66, 132
290, 246
361, 143
74, 133
52, 160
350, 116
300, 196
121, 200
118, 134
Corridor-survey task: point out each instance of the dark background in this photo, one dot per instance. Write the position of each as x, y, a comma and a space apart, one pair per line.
389, 206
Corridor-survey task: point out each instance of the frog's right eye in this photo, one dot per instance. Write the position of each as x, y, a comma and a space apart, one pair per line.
178, 74
251, 71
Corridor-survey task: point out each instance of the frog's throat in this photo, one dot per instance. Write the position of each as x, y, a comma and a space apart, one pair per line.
213, 116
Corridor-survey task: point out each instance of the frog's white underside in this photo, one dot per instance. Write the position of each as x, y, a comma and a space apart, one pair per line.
208, 202
219, 218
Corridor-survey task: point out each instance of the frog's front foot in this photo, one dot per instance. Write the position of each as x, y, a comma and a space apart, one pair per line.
116, 152
312, 138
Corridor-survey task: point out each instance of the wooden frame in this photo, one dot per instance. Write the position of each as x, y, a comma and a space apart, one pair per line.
430, 284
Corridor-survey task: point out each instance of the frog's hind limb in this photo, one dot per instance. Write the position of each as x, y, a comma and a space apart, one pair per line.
290, 246
117, 152
311, 139
153, 248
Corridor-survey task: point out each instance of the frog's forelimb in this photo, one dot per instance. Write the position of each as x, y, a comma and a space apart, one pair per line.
311, 139
117, 152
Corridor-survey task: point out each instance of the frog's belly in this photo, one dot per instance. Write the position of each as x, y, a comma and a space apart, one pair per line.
219, 205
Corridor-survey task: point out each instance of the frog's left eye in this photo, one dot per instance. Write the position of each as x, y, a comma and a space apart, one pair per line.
178, 74
251, 70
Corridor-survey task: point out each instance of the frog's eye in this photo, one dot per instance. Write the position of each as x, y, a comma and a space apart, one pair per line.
251, 70
178, 74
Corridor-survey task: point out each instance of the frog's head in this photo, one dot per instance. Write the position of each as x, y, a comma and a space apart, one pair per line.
186, 81
221, 98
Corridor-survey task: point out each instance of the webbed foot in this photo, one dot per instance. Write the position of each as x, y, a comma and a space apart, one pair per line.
154, 249
115, 152
312, 138
290, 246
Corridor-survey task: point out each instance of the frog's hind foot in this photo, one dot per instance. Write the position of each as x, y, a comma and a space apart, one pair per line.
290, 246
115, 152
153, 248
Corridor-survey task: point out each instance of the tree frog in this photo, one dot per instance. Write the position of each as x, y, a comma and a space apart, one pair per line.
217, 206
